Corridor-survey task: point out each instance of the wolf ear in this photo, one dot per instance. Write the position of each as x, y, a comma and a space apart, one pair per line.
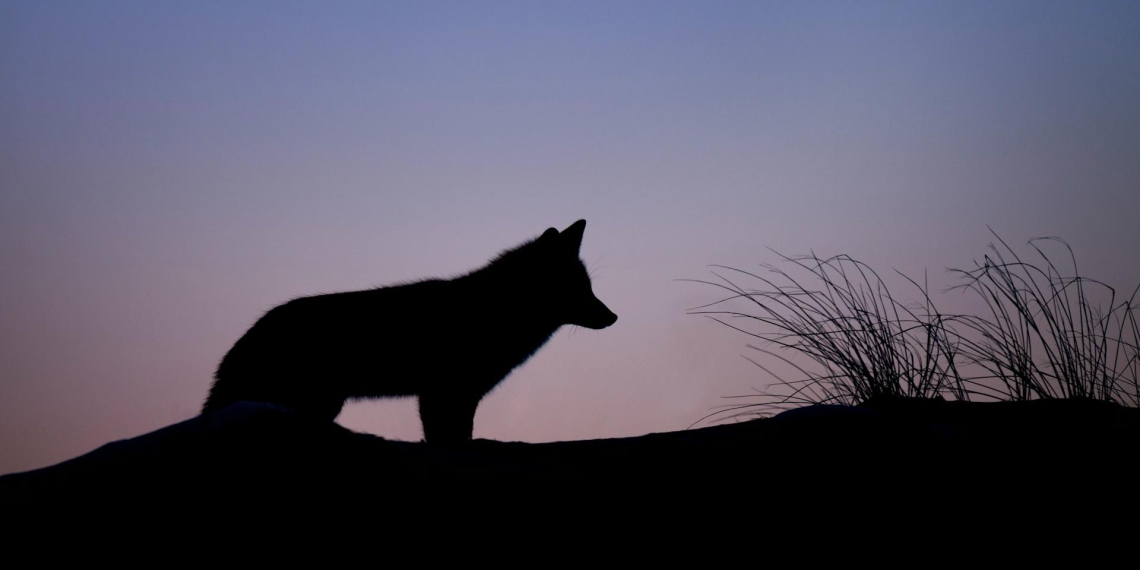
572, 236
548, 236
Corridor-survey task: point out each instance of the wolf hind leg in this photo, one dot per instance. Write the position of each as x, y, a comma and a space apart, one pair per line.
448, 418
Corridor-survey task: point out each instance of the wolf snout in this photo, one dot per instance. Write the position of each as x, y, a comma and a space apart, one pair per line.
598, 316
610, 319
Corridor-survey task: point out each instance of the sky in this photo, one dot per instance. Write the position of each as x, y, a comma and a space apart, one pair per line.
171, 170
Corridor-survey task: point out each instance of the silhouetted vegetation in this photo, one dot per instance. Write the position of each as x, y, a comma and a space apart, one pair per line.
1048, 332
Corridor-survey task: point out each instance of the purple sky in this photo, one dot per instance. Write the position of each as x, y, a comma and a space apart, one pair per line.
169, 171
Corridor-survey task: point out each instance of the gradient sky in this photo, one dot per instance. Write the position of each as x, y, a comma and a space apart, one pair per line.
169, 171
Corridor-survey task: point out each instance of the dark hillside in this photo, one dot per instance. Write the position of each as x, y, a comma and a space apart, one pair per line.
261, 455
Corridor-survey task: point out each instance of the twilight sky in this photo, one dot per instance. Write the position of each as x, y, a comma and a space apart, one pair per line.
169, 171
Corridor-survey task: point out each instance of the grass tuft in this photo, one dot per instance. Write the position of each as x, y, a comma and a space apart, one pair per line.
1043, 335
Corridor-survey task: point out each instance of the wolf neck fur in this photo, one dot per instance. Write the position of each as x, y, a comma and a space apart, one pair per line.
493, 294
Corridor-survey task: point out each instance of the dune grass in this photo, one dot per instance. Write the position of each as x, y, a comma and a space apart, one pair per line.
1044, 335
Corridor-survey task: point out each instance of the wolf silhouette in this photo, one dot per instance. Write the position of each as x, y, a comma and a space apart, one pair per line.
447, 342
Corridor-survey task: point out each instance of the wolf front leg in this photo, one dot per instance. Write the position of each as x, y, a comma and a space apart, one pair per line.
447, 418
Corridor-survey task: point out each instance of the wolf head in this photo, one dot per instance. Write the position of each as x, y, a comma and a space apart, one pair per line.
572, 284
549, 277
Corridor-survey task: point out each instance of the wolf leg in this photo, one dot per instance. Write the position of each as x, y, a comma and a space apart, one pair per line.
447, 418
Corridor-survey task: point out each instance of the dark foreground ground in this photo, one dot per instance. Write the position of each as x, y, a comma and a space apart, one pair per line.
885, 454
905, 481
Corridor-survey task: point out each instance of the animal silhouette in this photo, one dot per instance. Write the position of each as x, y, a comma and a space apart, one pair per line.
447, 342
